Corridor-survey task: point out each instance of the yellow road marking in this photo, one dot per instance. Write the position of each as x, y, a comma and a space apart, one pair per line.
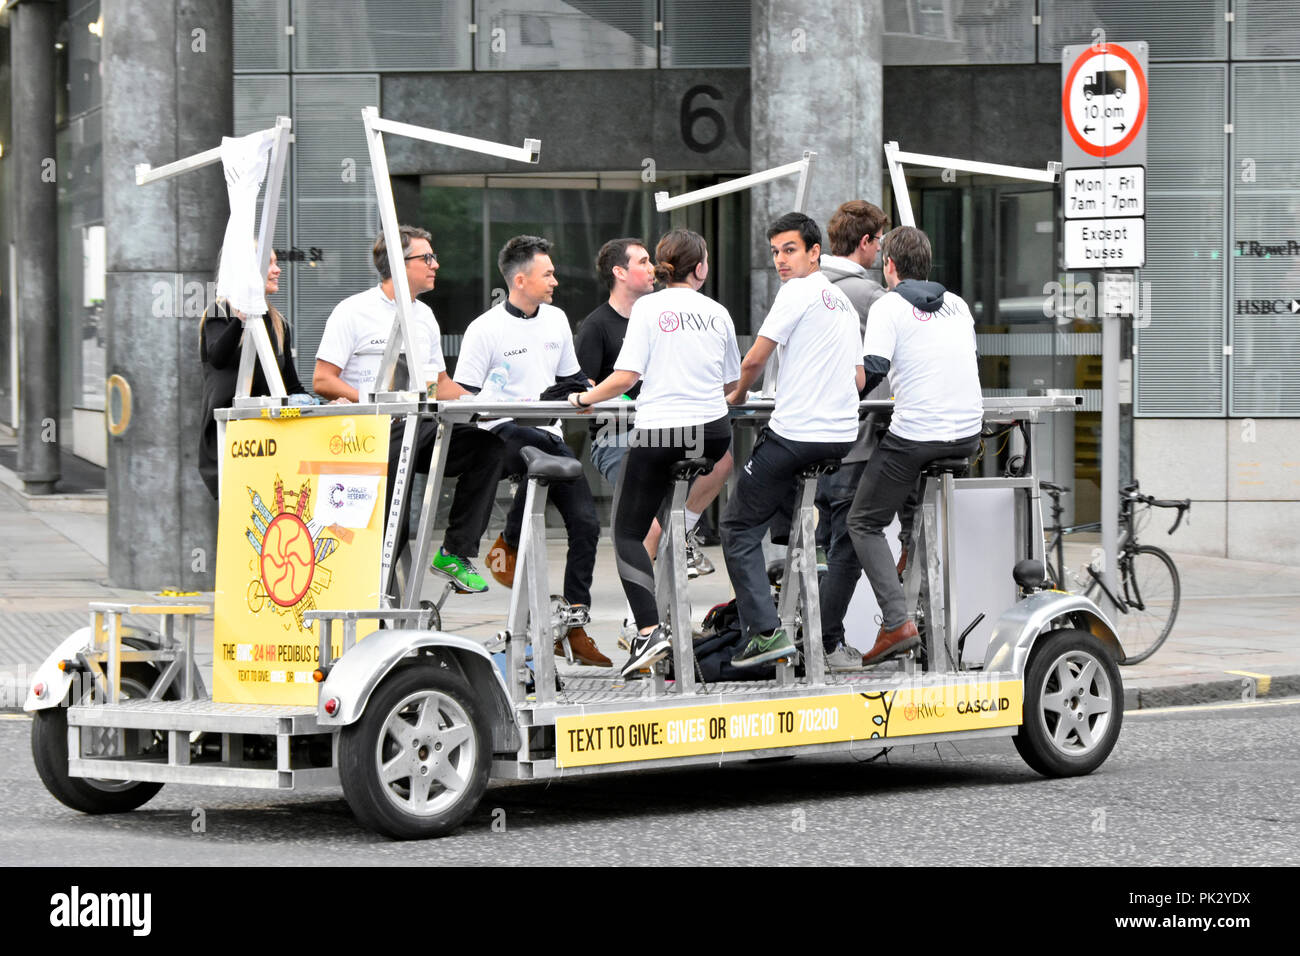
14, 717
1234, 705
1262, 681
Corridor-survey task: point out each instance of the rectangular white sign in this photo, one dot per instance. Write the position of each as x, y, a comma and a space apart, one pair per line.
1117, 294
1105, 243
1097, 192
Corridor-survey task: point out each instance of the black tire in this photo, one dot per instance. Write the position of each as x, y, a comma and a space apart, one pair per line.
1149, 577
393, 807
1070, 730
91, 795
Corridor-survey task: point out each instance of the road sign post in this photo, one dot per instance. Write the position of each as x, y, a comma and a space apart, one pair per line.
1104, 100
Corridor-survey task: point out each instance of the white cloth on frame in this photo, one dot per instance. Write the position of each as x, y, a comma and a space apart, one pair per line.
239, 276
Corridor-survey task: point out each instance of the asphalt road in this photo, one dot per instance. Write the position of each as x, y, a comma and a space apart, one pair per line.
1210, 786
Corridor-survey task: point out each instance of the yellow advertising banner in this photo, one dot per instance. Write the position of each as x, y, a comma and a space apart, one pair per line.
300, 529
732, 726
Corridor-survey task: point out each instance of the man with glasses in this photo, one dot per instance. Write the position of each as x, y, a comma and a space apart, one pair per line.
347, 364
855, 231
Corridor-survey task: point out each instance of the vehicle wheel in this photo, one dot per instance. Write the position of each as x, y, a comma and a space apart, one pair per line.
89, 794
416, 764
1151, 581
1074, 705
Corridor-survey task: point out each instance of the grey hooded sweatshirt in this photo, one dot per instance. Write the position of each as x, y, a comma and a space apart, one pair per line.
856, 282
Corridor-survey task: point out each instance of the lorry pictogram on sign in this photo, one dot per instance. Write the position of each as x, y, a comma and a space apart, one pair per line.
1104, 100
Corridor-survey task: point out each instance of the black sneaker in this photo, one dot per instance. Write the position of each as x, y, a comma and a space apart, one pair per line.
647, 649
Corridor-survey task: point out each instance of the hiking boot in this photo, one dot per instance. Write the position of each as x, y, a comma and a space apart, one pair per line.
584, 649
647, 649
501, 562
765, 647
889, 643
460, 570
844, 658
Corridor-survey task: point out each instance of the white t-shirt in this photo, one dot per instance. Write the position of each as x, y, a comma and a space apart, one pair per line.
684, 345
357, 332
932, 367
535, 352
816, 328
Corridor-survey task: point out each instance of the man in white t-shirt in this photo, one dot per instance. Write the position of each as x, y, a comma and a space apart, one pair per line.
923, 337
517, 351
347, 363
816, 417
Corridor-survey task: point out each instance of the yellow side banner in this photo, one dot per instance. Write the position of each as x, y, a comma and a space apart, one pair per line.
300, 529
732, 726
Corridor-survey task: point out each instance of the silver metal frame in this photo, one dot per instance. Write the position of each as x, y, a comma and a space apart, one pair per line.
400, 335
804, 167
896, 158
520, 721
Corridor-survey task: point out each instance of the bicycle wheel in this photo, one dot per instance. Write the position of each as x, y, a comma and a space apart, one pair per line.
1150, 592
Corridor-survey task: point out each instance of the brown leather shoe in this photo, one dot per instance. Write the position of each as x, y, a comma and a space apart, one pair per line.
888, 643
584, 648
501, 562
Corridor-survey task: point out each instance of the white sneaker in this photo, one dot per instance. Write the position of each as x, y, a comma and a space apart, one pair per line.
626, 633
844, 658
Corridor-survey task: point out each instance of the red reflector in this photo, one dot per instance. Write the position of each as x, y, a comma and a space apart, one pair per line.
332, 706
38, 690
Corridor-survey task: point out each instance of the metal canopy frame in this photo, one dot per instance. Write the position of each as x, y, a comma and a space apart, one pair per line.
803, 167
376, 126
896, 158
254, 333
399, 337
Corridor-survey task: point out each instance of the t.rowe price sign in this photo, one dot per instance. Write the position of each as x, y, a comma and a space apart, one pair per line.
1103, 137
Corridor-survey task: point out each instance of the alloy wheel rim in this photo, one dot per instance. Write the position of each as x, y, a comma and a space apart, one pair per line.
425, 753
1076, 699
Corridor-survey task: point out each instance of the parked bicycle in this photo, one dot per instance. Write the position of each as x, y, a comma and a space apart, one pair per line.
1147, 603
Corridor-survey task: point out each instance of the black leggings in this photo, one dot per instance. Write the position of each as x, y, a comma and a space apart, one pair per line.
643, 482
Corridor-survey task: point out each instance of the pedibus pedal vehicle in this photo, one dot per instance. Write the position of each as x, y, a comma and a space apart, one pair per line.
413, 721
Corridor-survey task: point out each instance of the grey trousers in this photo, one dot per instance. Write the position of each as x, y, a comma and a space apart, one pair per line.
890, 477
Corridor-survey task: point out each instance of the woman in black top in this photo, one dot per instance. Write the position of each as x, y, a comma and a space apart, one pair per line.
220, 333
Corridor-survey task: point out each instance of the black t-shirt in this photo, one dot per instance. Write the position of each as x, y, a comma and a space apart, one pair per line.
598, 341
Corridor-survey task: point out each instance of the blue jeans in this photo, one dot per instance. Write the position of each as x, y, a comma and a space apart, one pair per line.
608, 459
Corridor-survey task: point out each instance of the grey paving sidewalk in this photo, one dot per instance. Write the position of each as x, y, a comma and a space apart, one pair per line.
1238, 631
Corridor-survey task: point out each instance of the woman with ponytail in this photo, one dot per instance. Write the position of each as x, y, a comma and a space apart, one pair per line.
683, 344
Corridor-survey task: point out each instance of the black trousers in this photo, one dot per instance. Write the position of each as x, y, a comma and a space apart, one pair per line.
644, 482
474, 458
573, 499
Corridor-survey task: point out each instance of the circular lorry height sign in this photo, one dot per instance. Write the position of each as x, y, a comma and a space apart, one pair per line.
1104, 100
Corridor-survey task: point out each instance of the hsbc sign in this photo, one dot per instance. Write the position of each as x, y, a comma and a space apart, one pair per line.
1268, 306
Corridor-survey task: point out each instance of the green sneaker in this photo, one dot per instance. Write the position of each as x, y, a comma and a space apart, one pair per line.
460, 570
764, 648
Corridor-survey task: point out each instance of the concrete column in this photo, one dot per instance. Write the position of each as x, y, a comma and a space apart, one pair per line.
168, 93
35, 200
816, 83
